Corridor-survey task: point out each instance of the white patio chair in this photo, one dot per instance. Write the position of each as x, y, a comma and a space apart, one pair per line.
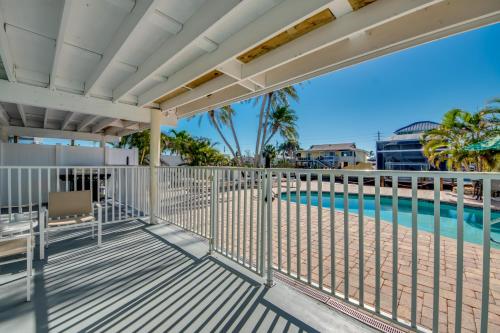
69, 210
16, 238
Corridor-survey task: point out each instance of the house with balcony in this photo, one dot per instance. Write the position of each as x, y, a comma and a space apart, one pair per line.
90, 242
333, 156
403, 150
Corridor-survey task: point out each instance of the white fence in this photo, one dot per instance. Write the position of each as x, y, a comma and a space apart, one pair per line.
123, 191
401, 253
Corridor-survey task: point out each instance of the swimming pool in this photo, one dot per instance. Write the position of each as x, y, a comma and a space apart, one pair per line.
473, 217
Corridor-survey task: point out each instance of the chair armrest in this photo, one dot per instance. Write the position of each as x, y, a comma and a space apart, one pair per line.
97, 205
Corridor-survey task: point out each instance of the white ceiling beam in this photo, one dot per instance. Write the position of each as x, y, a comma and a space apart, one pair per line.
340, 7
206, 16
126, 5
217, 98
439, 21
86, 122
67, 120
210, 87
206, 44
4, 116
5, 53
232, 68
20, 109
249, 85
50, 133
341, 28
278, 18
63, 24
165, 22
45, 98
142, 9
106, 123
259, 80
46, 117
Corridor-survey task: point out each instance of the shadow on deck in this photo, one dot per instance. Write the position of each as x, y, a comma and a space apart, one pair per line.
140, 282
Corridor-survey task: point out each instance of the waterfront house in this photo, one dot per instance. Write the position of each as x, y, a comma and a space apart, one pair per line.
334, 156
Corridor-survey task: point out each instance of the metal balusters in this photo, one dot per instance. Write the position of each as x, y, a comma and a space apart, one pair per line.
361, 242
377, 244
269, 225
9, 192
332, 233
437, 254
250, 235
238, 219
19, 192
320, 230
262, 249
460, 255
278, 200
288, 231
245, 198
485, 290
297, 227
346, 237
395, 247
228, 194
414, 253
308, 228
233, 212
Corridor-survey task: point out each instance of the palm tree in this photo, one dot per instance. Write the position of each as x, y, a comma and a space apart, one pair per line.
271, 101
459, 129
288, 148
140, 140
213, 116
226, 114
283, 120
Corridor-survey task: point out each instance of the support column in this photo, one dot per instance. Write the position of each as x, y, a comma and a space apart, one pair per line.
103, 146
4, 135
154, 162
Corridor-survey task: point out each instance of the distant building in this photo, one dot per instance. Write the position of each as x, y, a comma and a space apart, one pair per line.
403, 150
335, 156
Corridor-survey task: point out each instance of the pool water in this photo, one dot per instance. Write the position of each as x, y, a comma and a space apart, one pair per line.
473, 217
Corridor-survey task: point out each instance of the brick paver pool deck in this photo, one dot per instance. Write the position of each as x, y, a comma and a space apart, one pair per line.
472, 260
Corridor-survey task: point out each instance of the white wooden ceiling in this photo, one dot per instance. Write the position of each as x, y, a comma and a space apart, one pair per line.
98, 66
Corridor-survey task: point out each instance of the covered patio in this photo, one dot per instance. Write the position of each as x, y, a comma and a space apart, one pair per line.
172, 257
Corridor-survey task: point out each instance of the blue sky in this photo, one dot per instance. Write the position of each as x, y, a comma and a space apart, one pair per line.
384, 94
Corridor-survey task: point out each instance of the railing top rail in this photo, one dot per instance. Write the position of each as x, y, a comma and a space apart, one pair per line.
364, 173
71, 166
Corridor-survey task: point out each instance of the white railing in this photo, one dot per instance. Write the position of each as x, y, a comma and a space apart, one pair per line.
123, 191
338, 235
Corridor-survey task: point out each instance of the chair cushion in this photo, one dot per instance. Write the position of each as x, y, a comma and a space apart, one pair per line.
69, 203
71, 221
12, 247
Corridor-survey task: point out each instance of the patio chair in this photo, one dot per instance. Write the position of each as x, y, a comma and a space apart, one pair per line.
18, 241
69, 210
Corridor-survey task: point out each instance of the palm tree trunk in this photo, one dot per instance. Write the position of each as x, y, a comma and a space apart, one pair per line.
269, 138
236, 141
259, 131
217, 128
266, 121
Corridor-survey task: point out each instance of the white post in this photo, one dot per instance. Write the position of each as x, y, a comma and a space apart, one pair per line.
4, 135
154, 162
103, 146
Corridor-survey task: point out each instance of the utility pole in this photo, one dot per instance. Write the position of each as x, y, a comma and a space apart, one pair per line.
378, 135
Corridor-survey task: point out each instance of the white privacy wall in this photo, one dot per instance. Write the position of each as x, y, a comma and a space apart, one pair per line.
13, 154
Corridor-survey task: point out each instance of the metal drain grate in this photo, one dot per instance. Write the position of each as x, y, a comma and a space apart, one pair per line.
339, 306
